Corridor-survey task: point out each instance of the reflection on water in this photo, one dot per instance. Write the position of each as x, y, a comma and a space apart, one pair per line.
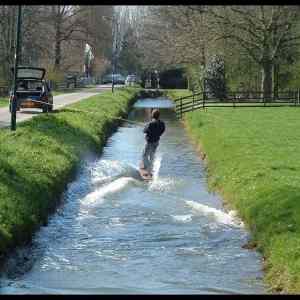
115, 234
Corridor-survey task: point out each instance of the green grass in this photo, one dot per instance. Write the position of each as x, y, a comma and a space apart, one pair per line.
253, 159
177, 93
4, 101
38, 159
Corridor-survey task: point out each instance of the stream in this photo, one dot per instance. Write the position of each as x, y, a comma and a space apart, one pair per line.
116, 234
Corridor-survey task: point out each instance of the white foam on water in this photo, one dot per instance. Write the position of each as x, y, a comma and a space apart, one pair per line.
156, 166
163, 184
234, 215
155, 171
97, 197
217, 215
110, 170
107, 168
182, 218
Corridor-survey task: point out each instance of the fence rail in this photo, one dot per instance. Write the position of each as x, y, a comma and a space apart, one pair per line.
236, 99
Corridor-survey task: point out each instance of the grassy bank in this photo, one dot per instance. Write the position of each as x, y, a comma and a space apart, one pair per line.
254, 161
3, 101
177, 93
38, 159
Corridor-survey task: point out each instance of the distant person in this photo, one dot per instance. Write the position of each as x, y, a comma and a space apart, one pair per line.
153, 130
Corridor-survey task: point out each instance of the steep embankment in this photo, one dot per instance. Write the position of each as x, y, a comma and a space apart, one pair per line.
38, 160
253, 157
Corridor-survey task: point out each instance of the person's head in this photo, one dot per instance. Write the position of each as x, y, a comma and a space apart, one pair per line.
155, 114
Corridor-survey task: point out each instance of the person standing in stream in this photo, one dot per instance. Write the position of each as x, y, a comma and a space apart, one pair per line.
153, 131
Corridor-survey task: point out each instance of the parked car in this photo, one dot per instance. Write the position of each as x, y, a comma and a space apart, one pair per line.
32, 90
118, 79
131, 80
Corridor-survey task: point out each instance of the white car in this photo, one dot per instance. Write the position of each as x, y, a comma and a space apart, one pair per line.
130, 80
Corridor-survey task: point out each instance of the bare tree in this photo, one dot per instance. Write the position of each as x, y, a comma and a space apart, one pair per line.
263, 31
7, 40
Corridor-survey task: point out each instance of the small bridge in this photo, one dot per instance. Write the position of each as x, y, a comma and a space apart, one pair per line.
150, 93
202, 100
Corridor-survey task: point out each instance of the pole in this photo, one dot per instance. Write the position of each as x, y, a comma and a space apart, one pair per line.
114, 47
17, 51
113, 74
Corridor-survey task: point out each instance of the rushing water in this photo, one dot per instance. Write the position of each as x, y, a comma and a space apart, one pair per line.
115, 234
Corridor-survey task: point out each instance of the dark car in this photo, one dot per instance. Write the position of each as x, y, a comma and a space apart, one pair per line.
118, 79
32, 90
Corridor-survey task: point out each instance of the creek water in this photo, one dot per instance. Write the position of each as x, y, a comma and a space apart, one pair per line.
116, 234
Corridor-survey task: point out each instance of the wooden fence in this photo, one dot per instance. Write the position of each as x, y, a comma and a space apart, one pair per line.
202, 100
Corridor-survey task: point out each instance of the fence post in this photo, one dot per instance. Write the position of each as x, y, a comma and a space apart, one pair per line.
193, 100
233, 98
180, 108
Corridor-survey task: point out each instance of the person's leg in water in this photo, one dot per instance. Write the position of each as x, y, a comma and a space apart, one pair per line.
145, 158
152, 155
148, 156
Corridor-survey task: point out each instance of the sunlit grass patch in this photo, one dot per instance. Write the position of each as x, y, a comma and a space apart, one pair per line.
253, 157
4, 101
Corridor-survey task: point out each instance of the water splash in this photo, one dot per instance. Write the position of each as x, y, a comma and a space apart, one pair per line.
156, 167
215, 214
110, 170
98, 196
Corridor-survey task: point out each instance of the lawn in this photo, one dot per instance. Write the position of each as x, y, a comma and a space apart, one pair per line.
4, 101
40, 157
253, 157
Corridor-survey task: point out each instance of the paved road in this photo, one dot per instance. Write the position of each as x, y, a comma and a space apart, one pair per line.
59, 101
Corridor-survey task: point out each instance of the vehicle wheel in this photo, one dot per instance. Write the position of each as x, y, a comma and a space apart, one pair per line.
50, 107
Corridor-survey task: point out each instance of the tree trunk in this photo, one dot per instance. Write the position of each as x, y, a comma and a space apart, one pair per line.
276, 81
57, 58
267, 69
57, 50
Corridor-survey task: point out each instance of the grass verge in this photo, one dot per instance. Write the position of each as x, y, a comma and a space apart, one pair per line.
177, 93
253, 157
38, 160
4, 101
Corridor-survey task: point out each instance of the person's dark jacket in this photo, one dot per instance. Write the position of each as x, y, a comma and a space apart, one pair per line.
154, 130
